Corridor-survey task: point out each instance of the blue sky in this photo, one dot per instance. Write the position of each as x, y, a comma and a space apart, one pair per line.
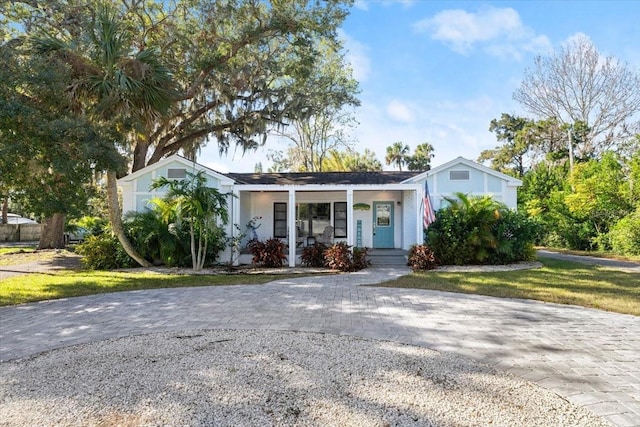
440, 71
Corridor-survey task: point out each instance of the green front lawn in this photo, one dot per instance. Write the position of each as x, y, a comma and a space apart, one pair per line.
561, 282
44, 286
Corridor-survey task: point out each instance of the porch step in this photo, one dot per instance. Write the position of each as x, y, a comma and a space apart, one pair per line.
381, 257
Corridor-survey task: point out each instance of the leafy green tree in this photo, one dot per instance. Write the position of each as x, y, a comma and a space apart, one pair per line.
421, 158
625, 234
597, 196
198, 205
46, 150
397, 154
631, 166
511, 156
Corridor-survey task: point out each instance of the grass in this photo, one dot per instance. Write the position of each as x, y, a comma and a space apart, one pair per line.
561, 282
44, 286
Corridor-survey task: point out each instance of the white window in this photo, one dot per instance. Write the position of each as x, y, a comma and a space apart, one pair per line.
176, 173
459, 175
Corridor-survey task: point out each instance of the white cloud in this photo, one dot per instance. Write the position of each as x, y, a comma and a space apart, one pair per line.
357, 56
400, 111
361, 4
499, 31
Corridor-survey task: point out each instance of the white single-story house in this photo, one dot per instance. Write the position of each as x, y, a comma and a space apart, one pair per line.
364, 209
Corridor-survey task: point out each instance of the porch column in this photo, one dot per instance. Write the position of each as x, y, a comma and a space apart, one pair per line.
235, 219
350, 224
291, 220
420, 215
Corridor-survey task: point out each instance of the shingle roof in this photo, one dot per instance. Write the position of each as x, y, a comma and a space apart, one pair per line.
307, 178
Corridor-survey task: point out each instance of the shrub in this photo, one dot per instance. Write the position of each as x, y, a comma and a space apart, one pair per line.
421, 257
360, 259
161, 239
313, 256
625, 234
515, 234
340, 257
103, 252
447, 238
480, 231
269, 254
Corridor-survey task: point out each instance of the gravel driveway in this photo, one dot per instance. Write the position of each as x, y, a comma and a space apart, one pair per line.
299, 352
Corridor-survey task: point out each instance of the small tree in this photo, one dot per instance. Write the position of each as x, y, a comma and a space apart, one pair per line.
200, 206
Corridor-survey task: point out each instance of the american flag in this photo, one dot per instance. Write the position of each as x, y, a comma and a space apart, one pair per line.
429, 214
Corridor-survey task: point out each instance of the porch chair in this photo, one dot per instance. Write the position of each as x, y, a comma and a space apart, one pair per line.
327, 236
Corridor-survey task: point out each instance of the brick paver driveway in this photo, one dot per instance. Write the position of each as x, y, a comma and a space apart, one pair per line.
589, 356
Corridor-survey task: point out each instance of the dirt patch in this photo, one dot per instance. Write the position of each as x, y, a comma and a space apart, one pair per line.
42, 261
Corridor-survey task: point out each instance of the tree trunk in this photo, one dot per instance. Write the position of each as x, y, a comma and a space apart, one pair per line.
139, 155
52, 235
116, 221
5, 211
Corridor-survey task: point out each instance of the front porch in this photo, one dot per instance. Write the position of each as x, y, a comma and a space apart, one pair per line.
375, 218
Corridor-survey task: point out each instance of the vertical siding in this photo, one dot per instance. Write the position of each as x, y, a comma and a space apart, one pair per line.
409, 220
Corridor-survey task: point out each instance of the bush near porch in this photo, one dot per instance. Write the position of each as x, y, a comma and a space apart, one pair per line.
480, 230
338, 256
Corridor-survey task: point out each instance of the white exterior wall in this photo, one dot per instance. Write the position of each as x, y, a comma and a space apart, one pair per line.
480, 183
128, 200
409, 220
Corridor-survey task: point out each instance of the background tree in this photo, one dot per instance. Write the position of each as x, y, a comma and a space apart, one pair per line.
324, 124
577, 84
421, 158
510, 157
397, 154
351, 161
598, 192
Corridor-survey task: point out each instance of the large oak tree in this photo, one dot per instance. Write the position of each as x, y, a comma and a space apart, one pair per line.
237, 64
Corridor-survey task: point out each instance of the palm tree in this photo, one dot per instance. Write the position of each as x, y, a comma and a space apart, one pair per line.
199, 206
113, 85
397, 154
421, 159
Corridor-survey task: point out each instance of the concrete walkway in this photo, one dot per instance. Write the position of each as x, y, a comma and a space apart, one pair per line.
590, 357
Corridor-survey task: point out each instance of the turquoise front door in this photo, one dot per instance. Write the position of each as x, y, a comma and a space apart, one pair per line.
383, 225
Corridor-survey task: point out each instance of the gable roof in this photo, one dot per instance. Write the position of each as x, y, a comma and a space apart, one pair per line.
188, 164
320, 178
511, 181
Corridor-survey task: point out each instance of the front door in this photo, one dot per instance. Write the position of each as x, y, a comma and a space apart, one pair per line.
383, 225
